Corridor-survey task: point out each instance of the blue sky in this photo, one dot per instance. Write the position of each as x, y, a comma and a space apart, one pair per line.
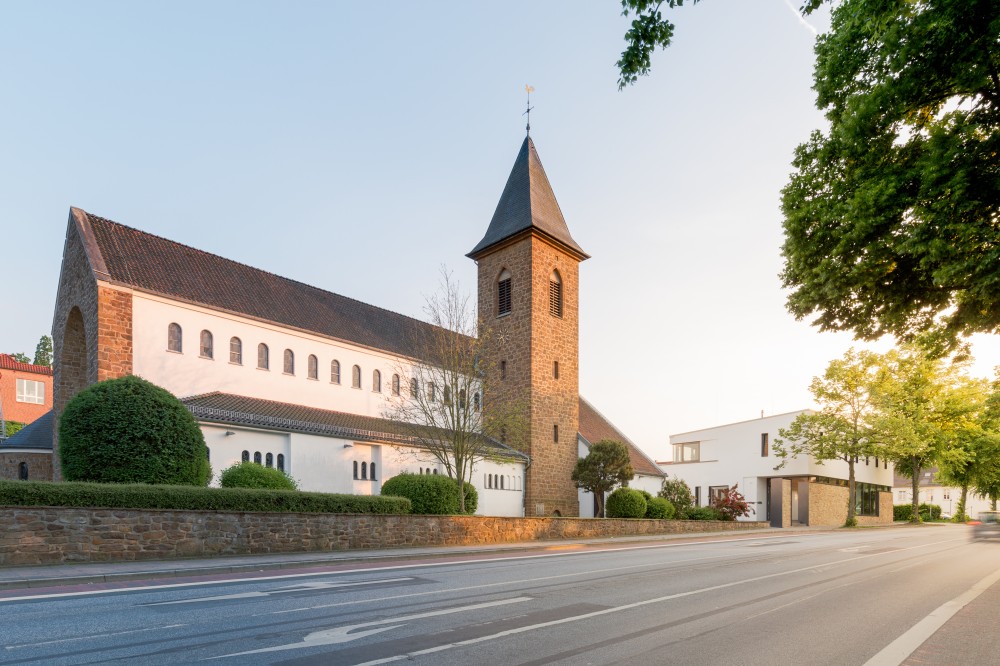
359, 147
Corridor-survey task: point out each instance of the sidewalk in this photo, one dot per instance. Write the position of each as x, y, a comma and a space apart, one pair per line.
55, 575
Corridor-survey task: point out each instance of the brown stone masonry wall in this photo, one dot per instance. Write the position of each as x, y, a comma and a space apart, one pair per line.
114, 333
39, 465
48, 535
828, 506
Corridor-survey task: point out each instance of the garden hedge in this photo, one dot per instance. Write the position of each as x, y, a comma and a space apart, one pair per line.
191, 498
658, 508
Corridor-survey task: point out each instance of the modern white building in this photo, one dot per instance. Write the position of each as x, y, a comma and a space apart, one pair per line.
804, 491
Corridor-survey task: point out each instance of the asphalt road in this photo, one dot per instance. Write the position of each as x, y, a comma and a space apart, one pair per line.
807, 598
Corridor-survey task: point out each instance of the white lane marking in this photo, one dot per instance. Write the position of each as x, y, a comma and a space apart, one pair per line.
303, 587
340, 634
167, 586
81, 638
355, 602
618, 609
895, 652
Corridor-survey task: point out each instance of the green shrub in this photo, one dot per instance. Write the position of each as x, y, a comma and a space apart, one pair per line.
255, 475
660, 509
677, 493
432, 494
703, 513
128, 430
930, 512
902, 512
626, 503
191, 498
12, 427
471, 498
645, 495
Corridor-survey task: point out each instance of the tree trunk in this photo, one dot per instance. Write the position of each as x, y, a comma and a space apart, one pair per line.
461, 494
915, 488
600, 504
851, 490
960, 514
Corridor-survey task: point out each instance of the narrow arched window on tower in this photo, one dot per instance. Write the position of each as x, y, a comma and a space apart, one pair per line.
555, 295
207, 348
175, 338
504, 295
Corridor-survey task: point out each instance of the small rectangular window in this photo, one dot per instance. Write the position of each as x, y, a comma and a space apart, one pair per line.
764, 437
30, 391
555, 299
697, 495
503, 369
555, 433
503, 297
555, 369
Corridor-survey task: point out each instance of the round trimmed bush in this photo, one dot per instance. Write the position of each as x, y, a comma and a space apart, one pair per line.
129, 430
660, 509
626, 503
255, 475
703, 513
433, 494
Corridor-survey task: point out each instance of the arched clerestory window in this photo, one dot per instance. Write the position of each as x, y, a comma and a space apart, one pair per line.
376, 381
175, 338
395, 384
313, 367
356, 377
289, 362
236, 351
269, 460
263, 357
334, 371
206, 348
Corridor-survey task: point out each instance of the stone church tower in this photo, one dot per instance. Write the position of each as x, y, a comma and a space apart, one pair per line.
528, 280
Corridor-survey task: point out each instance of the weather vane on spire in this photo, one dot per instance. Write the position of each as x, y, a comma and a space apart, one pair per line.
528, 89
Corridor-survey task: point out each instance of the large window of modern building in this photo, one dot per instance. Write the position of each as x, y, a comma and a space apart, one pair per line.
764, 444
175, 338
30, 391
687, 452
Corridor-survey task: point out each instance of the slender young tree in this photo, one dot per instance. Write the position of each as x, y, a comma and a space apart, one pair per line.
439, 402
43, 352
842, 428
967, 440
606, 466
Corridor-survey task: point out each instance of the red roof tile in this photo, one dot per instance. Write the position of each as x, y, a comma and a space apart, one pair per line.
594, 427
8, 362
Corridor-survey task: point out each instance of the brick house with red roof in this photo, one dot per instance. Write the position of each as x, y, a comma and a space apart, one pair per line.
25, 390
297, 377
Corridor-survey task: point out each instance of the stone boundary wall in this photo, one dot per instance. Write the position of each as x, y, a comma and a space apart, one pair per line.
54, 535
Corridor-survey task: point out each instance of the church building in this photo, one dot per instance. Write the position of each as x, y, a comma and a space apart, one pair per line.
296, 377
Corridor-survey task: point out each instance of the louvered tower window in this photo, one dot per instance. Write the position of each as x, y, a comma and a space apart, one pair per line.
504, 293
555, 295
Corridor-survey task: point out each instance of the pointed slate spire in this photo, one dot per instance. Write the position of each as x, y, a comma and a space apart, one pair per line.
528, 203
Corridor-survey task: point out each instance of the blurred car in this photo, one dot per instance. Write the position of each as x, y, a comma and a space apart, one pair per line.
986, 525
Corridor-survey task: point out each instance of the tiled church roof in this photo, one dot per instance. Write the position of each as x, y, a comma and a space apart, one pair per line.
240, 410
151, 263
594, 427
8, 362
528, 202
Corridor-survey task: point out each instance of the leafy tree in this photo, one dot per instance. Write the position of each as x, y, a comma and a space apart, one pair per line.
254, 475
11, 427
842, 428
21, 358
626, 503
922, 411
890, 216
43, 352
447, 415
129, 430
678, 493
731, 504
606, 466
969, 443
